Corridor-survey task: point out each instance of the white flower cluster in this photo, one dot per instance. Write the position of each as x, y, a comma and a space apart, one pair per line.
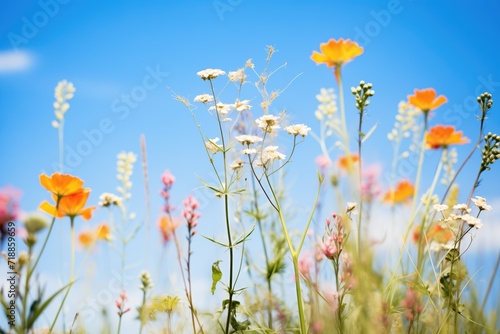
204, 98
269, 154
298, 129
405, 125
108, 199
210, 73
327, 112
64, 92
125, 165
268, 123
449, 160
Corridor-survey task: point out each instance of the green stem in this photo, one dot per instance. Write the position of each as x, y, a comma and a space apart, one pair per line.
72, 266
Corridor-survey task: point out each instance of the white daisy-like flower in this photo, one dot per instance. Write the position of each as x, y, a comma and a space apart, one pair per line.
472, 221
248, 139
237, 76
270, 153
242, 105
440, 207
461, 207
222, 108
210, 73
480, 202
204, 98
237, 164
212, 146
108, 199
298, 129
268, 123
249, 151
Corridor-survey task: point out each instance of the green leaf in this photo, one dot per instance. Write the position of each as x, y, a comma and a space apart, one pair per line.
216, 275
38, 310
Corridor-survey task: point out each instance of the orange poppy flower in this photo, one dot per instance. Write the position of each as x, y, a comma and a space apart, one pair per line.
70, 206
61, 184
426, 100
336, 53
439, 234
444, 136
348, 162
402, 194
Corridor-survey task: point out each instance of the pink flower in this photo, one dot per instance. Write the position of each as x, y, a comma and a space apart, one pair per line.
190, 205
305, 264
323, 162
412, 304
9, 207
329, 247
120, 304
168, 179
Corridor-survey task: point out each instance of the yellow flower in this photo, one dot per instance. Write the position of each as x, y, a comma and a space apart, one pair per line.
402, 194
336, 53
425, 99
443, 136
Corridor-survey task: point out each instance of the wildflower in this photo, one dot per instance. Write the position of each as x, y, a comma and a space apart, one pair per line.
86, 239
222, 108
210, 73
472, 221
212, 147
168, 179
35, 222
480, 202
70, 206
336, 53
443, 136
63, 92
103, 232
204, 98
237, 164
270, 153
241, 105
268, 123
402, 194
120, 304
147, 282
166, 304
412, 304
323, 162
237, 76
9, 208
108, 199
347, 162
248, 139
125, 165
61, 185
461, 207
329, 247
305, 264
440, 207
190, 205
298, 129
249, 63
426, 100
249, 151
167, 227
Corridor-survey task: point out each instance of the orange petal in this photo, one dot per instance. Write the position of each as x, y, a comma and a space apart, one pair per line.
87, 212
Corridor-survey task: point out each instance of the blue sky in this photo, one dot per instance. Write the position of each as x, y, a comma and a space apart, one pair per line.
107, 49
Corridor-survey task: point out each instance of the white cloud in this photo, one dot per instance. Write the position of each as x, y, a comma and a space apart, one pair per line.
14, 61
